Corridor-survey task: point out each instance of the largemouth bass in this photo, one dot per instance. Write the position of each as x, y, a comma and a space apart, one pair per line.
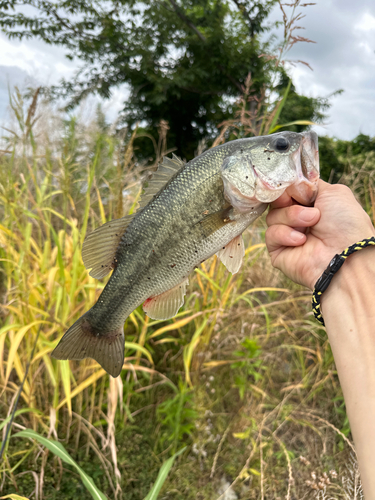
188, 213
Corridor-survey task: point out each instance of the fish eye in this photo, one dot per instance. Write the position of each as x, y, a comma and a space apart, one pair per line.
282, 144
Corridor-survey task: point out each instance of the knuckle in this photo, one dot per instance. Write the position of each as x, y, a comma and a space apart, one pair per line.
274, 261
268, 237
293, 213
341, 189
294, 210
268, 216
271, 217
271, 238
345, 189
275, 265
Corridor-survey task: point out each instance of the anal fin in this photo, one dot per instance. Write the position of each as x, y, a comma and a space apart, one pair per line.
231, 255
167, 304
80, 342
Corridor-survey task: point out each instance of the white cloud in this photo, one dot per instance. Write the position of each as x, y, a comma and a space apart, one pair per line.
45, 63
21, 56
342, 58
367, 23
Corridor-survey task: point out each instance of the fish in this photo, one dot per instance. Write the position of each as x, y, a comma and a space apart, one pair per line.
189, 212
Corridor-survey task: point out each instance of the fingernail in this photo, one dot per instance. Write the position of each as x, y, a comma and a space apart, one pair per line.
308, 214
296, 236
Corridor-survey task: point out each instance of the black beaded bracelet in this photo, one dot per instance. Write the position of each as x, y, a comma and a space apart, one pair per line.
323, 282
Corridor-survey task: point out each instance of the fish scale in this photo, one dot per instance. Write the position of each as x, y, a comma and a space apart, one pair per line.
174, 230
200, 208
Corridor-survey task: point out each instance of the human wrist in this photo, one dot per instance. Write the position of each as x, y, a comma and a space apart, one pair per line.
354, 281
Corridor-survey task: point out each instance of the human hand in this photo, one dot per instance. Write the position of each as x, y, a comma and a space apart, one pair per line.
302, 240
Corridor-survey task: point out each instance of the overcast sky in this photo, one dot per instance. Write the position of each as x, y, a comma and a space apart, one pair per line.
342, 58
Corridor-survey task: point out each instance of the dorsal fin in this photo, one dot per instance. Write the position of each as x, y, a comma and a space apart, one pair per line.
100, 246
166, 171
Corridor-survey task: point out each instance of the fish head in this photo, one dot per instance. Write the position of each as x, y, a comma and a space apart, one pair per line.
263, 168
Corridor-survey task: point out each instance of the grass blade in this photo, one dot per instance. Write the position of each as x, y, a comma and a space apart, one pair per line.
296, 122
140, 349
176, 325
162, 476
19, 412
190, 348
280, 106
82, 386
65, 377
59, 450
14, 496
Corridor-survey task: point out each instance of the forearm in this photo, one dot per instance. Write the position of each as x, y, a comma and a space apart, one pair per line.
348, 308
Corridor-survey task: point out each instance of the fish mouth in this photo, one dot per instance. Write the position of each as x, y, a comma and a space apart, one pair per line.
303, 188
298, 177
306, 160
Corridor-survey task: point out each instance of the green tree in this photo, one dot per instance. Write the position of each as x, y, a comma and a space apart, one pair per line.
185, 61
338, 157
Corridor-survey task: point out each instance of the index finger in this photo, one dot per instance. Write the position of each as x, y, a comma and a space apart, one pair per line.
284, 201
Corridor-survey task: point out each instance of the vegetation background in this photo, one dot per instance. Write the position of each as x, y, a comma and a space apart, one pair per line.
238, 395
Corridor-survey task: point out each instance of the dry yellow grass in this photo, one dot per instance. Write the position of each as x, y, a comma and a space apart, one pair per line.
244, 356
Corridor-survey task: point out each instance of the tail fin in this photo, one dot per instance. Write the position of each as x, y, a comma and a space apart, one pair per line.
81, 342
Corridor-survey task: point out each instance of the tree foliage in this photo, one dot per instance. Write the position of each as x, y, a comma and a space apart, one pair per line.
338, 157
184, 61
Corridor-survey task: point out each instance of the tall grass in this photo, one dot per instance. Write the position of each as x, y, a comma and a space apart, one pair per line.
243, 375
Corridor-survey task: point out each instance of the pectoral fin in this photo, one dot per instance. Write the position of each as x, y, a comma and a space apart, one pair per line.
231, 255
167, 304
215, 221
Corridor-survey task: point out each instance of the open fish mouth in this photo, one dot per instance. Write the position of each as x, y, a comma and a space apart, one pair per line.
303, 186
306, 160
250, 179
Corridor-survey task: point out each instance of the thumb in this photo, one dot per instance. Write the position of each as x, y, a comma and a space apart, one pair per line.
323, 186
